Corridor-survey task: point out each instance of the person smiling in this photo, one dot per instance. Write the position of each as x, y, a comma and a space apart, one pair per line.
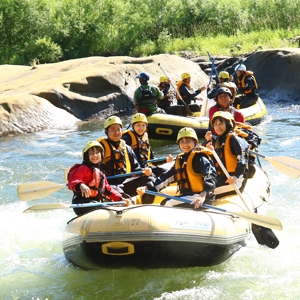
120, 159
193, 171
232, 150
88, 182
137, 139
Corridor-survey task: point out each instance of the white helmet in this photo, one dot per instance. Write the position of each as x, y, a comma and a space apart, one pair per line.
242, 67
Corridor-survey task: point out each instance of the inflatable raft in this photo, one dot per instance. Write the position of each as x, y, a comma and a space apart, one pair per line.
155, 236
166, 127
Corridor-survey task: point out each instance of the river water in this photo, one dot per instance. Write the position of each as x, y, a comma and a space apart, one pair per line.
32, 263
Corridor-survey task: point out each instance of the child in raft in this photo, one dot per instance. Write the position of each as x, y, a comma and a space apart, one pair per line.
232, 151
137, 139
88, 182
194, 172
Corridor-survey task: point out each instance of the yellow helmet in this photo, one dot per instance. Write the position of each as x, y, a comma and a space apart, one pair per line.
224, 75
186, 132
90, 145
223, 114
185, 75
139, 118
163, 79
112, 120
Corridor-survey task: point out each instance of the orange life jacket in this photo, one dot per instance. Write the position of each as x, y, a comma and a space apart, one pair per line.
140, 145
179, 84
116, 160
189, 182
241, 83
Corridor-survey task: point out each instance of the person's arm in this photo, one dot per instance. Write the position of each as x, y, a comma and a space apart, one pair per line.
79, 176
239, 117
212, 93
249, 83
136, 99
166, 89
135, 166
111, 193
236, 149
185, 91
162, 181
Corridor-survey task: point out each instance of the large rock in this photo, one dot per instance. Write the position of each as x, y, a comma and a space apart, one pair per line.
277, 72
80, 89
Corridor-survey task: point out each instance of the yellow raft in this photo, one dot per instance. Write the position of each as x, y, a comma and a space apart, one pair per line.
166, 127
155, 236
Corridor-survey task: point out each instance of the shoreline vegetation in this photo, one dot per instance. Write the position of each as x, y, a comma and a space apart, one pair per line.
46, 31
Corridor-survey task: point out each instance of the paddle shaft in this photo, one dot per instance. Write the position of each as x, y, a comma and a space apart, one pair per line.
52, 206
155, 160
174, 87
213, 65
211, 71
216, 156
268, 222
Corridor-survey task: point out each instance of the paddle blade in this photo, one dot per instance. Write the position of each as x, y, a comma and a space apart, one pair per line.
45, 207
66, 175
286, 165
35, 190
268, 222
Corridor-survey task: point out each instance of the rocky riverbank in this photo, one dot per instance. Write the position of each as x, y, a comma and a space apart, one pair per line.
53, 95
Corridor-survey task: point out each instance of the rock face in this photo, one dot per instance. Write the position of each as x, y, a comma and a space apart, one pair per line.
64, 93
80, 89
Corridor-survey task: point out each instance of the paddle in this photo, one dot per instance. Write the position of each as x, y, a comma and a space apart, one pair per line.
174, 87
263, 234
52, 206
213, 65
155, 160
269, 222
40, 189
284, 164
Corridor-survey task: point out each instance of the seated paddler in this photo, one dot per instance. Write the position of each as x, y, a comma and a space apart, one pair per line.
194, 172
88, 182
137, 139
232, 150
119, 159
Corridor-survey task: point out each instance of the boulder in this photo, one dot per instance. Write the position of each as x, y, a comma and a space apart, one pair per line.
80, 89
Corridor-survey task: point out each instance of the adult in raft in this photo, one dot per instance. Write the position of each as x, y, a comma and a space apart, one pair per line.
233, 152
224, 103
166, 102
194, 172
186, 92
246, 87
88, 182
119, 158
146, 96
223, 78
137, 139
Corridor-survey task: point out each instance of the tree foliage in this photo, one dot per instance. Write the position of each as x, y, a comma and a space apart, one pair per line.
51, 30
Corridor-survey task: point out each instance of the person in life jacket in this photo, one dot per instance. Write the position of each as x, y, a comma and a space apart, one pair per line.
166, 102
194, 172
246, 87
119, 158
223, 81
224, 103
233, 152
137, 139
146, 96
88, 182
186, 92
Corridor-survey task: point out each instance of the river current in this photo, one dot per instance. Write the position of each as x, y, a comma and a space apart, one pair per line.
32, 263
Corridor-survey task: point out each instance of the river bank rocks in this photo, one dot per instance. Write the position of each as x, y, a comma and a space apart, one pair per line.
80, 89
54, 95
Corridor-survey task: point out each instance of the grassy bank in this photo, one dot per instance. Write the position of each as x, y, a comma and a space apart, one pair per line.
52, 30
221, 44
